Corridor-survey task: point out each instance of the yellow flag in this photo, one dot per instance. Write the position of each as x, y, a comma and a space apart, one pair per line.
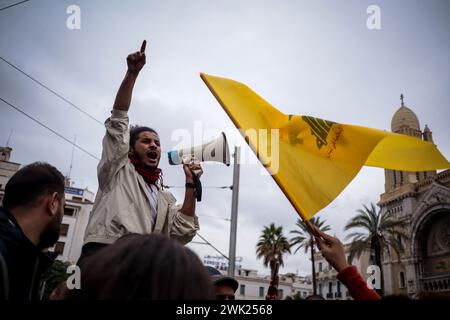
317, 158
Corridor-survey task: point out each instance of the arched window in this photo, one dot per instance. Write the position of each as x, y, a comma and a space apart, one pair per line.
402, 282
399, 242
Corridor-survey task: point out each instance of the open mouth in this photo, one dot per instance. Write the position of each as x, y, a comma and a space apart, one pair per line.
152, 155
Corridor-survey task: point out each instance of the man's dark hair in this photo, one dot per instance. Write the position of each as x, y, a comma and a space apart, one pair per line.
143, 267
135, 131
27, 186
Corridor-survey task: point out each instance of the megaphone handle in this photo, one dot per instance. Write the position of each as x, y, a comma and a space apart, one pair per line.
198, 187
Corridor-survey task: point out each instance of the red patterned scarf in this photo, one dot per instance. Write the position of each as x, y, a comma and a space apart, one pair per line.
150, 175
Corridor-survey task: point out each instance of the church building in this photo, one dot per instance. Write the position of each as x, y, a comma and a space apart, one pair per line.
422, 200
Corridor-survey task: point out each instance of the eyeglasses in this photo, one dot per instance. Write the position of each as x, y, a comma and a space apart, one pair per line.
225, 297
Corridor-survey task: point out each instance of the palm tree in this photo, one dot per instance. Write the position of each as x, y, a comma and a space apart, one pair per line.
304, 239
271, 246
381, 232
295, 296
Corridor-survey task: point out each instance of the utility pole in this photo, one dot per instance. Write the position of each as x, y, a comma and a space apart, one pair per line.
234, 211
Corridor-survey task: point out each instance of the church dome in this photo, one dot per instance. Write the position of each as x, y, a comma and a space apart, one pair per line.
404, 117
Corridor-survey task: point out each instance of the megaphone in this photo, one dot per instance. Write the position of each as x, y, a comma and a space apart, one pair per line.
215, 150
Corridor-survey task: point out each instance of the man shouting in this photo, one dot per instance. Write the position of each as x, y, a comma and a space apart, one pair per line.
130, 198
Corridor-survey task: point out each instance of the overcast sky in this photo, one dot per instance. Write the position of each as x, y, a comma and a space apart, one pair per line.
313, 58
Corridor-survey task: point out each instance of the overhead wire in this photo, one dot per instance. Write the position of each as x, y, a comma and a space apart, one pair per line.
48, 128
13, 5
52, 91
209, 243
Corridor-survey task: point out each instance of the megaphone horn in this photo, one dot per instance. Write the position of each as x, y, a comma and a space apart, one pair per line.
215, 150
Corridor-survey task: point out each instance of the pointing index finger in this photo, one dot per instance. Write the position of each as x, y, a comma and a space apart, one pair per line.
144, 43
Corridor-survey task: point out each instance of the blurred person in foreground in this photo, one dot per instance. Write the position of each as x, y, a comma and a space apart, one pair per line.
143, 267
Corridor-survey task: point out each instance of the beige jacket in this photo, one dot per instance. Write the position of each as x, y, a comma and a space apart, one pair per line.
121, 205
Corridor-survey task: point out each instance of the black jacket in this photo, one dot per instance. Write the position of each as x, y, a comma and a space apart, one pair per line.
21, 263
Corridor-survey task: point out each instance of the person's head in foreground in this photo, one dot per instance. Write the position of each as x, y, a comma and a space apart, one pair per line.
35, 197
143, 267
224, 286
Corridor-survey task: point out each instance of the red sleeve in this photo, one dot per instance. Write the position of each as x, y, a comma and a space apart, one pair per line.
356, 285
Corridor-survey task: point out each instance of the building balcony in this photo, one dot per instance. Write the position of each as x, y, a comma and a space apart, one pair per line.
436, 283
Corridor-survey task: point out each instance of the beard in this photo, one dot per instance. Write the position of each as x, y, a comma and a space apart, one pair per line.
48, 239
51, 233
151, 165
142, 157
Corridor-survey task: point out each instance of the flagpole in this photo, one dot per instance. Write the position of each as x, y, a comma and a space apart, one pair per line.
311, 228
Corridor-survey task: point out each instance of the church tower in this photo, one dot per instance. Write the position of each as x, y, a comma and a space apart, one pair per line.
422, 201
405, 122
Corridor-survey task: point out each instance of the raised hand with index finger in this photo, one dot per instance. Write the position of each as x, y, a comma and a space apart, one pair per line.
136, 61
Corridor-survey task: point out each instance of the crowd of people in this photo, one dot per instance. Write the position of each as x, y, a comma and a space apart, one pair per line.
134, 241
